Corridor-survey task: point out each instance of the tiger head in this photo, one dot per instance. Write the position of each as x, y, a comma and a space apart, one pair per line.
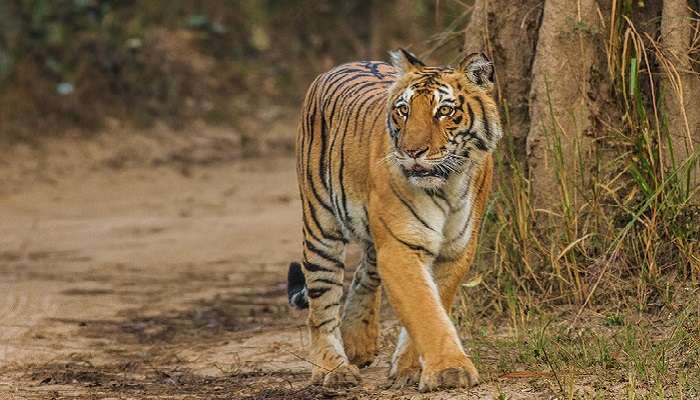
441, 119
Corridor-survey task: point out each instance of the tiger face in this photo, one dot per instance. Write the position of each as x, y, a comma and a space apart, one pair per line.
441, 119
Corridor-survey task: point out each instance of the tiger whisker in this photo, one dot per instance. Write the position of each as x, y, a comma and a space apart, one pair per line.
389, 157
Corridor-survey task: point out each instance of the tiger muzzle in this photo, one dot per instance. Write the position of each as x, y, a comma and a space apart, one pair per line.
420, 172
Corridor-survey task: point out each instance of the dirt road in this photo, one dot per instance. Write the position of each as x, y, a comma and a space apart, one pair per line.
150, 283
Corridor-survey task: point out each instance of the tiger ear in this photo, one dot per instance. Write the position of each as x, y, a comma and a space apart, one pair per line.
405, 61
479, 70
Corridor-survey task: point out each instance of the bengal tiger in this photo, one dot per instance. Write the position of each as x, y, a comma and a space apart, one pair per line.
398, 158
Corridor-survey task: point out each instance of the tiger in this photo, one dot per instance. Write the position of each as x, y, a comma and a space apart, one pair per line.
398, 158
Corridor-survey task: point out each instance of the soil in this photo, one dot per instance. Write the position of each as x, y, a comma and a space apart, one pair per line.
150, 280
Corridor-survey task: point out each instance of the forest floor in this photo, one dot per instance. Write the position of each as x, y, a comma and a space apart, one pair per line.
146, 277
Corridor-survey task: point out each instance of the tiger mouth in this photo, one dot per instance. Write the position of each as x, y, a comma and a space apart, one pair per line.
420, 172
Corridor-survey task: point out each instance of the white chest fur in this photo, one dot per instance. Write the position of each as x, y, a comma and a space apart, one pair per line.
448, 213
459, 222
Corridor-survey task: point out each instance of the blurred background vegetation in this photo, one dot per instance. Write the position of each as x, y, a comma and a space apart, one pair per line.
71, 64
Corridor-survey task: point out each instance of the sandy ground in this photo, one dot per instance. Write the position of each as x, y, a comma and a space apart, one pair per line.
156, 282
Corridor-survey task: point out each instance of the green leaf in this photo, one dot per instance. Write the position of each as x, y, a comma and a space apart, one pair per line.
639, 178
633, 76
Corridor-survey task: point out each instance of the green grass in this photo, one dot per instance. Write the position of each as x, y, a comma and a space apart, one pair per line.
615, 355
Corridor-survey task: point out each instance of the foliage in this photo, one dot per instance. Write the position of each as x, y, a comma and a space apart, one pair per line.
54, 31
73, 62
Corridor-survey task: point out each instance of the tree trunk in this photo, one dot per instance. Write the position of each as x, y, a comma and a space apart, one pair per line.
680, 85
377, 31
508, 35
549, 57
559, 114
543, 53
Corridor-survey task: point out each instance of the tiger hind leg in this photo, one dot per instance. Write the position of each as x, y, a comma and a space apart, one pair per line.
323, 272
360, 325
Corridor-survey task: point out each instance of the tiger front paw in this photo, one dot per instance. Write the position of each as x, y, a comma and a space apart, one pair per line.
448, 375
405, 365
345, 375
404, 377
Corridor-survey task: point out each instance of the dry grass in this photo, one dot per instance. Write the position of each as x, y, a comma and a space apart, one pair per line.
599, 292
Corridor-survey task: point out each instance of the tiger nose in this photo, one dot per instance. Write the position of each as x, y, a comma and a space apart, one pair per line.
415, 153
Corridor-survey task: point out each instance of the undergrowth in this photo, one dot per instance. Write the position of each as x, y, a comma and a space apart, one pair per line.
600, 291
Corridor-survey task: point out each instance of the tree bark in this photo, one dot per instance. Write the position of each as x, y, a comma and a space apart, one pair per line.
543, 53
507, 33
680, 85
559, 114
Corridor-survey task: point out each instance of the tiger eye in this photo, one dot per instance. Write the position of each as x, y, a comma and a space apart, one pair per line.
403, 110
444, 111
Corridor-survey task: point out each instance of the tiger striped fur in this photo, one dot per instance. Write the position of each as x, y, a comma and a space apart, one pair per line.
397, 158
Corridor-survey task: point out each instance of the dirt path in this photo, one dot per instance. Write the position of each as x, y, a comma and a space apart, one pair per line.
151, 283
146, 282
